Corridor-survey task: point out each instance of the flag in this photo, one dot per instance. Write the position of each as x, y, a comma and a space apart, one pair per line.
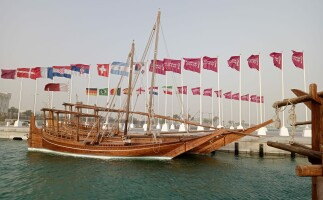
159, 67
59, 71
196, 91
277, 59
227, 95
210, 63
236, 96
23, 72
192, 64
35, 73
253, 98
182, 90
80, 69
262, 99
207, 92
140, 90
120, 68
298, 59
172, 65
92, 91
258, 99
56, 87
103, 70
234, 62
253, 62
115, 91
8, 73
154, 92
139, 68
218, 93
245, 97
103, 92
125, 91
168, 90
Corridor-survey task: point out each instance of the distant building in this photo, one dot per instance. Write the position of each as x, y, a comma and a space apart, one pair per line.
4, 102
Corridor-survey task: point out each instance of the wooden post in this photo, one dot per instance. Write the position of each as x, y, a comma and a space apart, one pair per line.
77, 127
57, 122
44, 118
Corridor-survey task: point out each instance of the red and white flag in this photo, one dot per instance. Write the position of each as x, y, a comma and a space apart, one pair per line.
218, 93
172, 65
227, 95
210, 63
140, 90
8, 73
298, 59
35, 73
236, 96
56, 87
182, 90
196, 91
277, 59
207, 92
103, 70
253, 98
234, 62
192, 64
253, 62
23, 72
159, 67
245, 97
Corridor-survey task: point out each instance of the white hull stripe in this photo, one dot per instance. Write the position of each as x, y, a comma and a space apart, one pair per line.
99, 157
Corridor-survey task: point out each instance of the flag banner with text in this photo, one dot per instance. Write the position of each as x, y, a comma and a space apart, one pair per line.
210, 63
298, 59
182, 90
56, 87
196, 91
227, 95
253, 62
236, 96
172, 65
234, 62
245, 97
218, 93
193, 64
207, 92
159, 67
277, 59
253, 98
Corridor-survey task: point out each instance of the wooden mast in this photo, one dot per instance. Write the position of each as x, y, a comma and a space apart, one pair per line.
129, 89
153, 75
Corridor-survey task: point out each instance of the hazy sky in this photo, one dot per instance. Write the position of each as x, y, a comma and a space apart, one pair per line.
47, 33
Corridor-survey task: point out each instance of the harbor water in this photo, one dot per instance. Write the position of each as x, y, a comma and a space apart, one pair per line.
35, 175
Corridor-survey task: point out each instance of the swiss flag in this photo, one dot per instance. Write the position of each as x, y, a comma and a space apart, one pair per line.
103, 70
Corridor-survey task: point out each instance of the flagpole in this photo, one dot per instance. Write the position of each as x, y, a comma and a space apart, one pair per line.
219, 97
35, 97
172, 126
261, 131
283, 129
240, 126
17, 123
146, 101
165, 125
307, 130
108, 99
200, 128
188, 126
257, 108
182, 126
158, 124
231, 127
51, 98
222, 118
71, 89
249, 109
88, 96
212, 107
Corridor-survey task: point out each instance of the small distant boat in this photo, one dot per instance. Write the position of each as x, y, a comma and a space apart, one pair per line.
65, 132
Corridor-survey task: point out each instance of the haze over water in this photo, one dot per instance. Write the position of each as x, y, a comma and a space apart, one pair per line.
33, 175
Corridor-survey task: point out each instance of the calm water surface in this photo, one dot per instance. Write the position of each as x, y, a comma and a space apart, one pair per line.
33, 175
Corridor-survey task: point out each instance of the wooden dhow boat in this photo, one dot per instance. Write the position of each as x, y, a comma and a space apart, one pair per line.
74, 132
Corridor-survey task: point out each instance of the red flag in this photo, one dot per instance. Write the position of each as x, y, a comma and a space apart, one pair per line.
172, 65
210, 63
227, 95
245, 97
236, 96
234, 62
159, 67
182, 90
218, 93
253, 62
277, 59
103, 70
258, 99
207, 92
196, 91
262, 99
56, 87
23, 72
298, 59
253, 98
35, 73
192, 64
8, 73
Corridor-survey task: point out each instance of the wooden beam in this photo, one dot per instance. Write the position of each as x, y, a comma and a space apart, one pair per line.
303, 123
296, 100
299, 93
309, 170
302, 151
300, 145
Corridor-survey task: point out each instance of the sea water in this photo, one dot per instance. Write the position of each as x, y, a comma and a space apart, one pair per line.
36, 175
